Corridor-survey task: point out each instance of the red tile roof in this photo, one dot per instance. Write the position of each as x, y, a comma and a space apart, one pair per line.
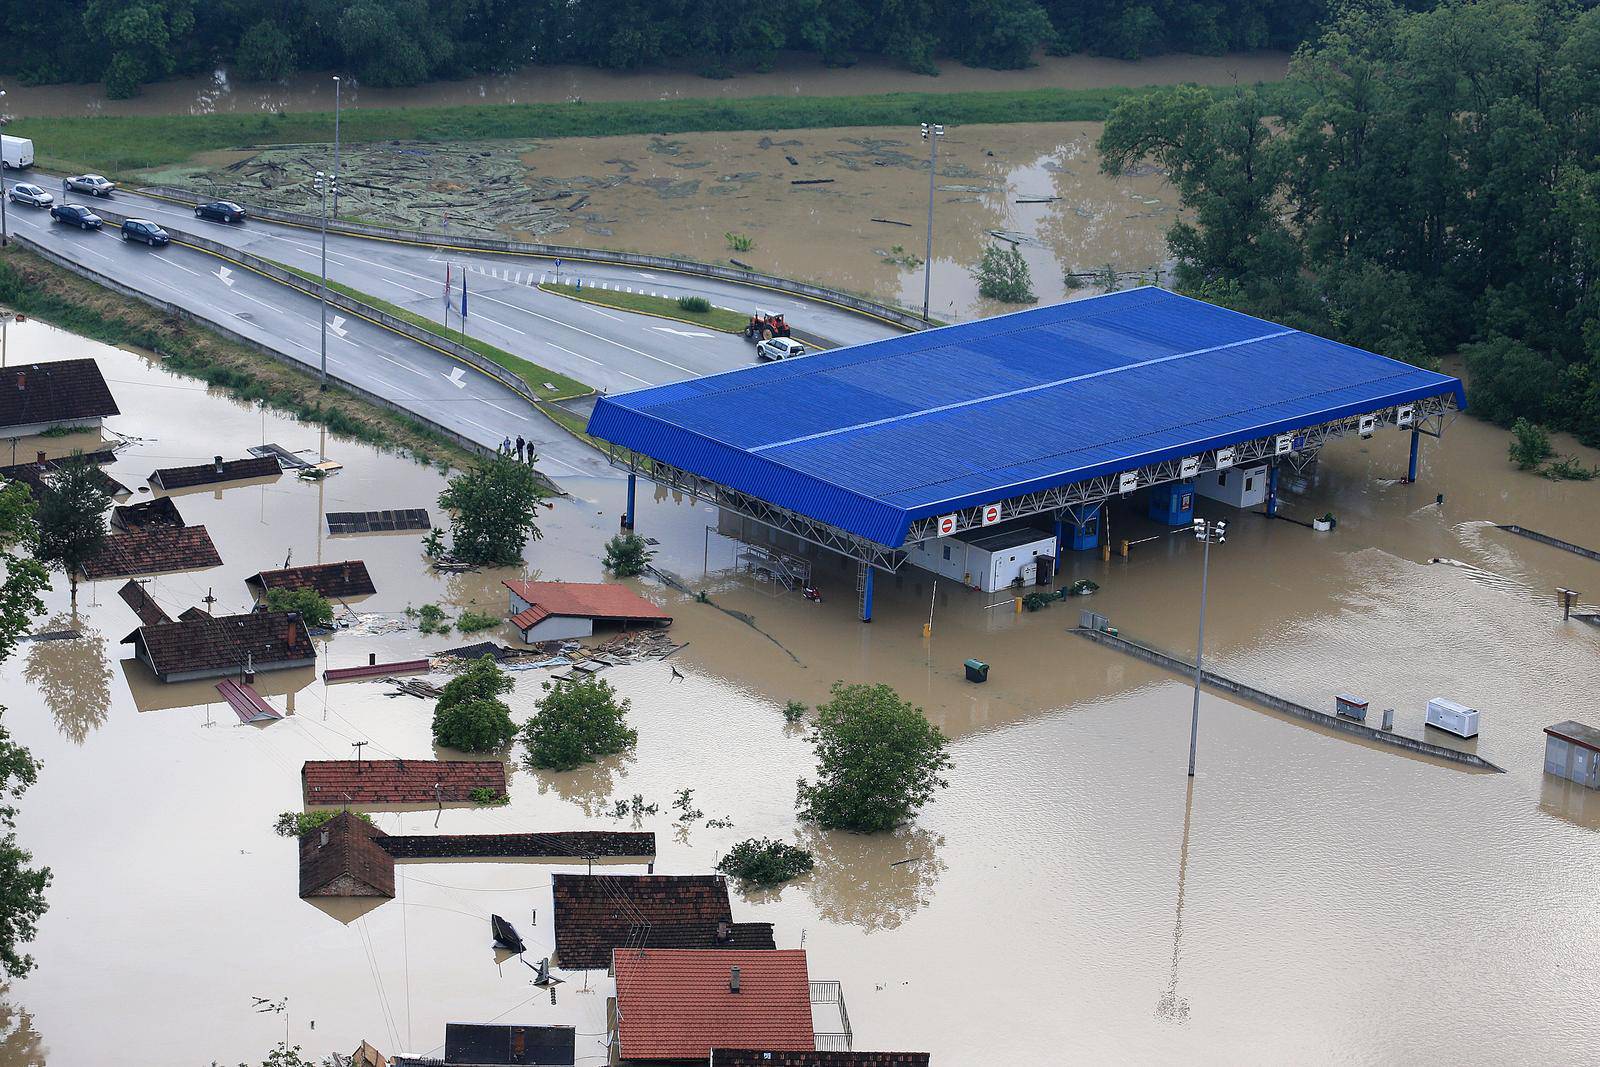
614, 603
347, 578
398, 781
597, 913
675, 1004
154, 551
67, 390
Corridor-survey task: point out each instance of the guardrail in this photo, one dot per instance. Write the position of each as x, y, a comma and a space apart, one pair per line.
896, 316
509, 379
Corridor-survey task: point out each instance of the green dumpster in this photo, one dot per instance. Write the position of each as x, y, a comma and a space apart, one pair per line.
977, 670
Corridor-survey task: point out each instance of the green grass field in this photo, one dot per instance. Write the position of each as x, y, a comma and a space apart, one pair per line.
661, 306
117, 144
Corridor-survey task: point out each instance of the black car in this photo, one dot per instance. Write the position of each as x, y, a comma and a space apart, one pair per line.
77, 215
146, 231
220, 211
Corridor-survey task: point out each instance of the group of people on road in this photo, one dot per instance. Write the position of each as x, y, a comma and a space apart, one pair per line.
523, 450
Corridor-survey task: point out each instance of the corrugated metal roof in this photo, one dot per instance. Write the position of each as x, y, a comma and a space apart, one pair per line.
874, 437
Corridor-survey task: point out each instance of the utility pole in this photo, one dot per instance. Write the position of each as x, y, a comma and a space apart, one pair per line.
357, 745
931, 134
5, 234
336, 87
324, 184
1205, 531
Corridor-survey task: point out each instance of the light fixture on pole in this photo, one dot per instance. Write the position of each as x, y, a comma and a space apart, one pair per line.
325, 183
931, 134
1206, 531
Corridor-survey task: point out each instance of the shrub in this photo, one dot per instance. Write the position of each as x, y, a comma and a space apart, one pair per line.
1569, 468
430, 618
738, 242
794, 711
492, 797
1003, 275
295, 823
312, 605
762, 861
468, 717
1530, 444
627, 555
577, 722
878, 760
698, 305
470, 622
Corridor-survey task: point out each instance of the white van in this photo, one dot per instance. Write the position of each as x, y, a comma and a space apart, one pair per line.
16, 152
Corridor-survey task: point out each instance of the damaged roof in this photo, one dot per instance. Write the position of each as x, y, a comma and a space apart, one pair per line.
33, 474
153, 551
63, 391
218, 470
342, 858
160, 513
398, 781
138, 598
597, 913
205, 645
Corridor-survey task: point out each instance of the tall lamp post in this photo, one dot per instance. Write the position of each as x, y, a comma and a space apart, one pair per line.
336, 86
325, 183
931, 134
5, 234
1206, 531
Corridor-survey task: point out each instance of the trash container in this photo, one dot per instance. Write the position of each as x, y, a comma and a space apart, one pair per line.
977, 671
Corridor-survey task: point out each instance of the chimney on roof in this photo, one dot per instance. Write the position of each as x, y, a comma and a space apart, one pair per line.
218, 461
724, 932
733, 980
22, 380
40, 460
324, 837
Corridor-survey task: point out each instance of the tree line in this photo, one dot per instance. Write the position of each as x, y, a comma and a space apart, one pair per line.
127, 43
1427, 183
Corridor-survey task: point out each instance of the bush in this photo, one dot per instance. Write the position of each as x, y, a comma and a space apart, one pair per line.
312, 605
698, 305
468, 717
627, 555
295, 823
794, 711
738, 242
762, 861
878, 760
430, 618
577, 722
1003, 275
1569, 469
470, 622
1530, 444
492, 797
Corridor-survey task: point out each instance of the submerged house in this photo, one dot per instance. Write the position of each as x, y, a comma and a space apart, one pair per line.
553, 611
67, 394
204, 647
336, 581
595, 914
153, 550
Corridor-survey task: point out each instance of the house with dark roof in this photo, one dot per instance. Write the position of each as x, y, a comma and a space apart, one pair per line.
676, 1005
160, 513
509, 1045
412, 781
342, 858
138, 598
595, 914
215, 472
153, 551
749, 1057
68, 393
333, 580
553, 611
35, 475
207, 647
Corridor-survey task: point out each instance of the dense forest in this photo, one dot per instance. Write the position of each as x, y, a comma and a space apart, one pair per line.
403, 42
1428, 183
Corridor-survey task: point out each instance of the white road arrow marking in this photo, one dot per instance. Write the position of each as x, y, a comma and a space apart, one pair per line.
646, 277
337, 326
680, 333
456, 377
226, 275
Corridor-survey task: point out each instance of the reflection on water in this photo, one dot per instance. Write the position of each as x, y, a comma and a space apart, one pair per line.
874, 881
73, 676
592, 786
20, 1043
1171, 1007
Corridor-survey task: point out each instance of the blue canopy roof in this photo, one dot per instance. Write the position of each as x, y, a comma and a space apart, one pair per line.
876, 436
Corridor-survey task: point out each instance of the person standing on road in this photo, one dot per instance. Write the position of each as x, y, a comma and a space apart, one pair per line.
521, 445
505, 447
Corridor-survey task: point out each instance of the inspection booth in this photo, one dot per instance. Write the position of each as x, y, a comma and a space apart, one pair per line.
1241, 487
989, 559
1572, 751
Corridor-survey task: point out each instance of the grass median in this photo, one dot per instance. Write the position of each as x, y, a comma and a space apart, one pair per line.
662, 307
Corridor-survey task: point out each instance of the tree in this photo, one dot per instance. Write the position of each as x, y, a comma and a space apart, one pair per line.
577, 721
1003, 274
142, 39
25, 576
762, 861
627, 555
879, 760
468, 717
311, 605
1530, 445
265, 53
494, 506
71, 518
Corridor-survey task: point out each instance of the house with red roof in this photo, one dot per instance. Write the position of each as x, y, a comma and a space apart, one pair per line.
555, 611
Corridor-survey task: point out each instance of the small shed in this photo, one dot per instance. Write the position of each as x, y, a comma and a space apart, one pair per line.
68, 393
988, 559
552, 611
1242, 487
1572, 751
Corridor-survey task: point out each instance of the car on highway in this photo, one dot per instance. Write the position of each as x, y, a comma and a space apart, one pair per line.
220, 211
146, 231
77, 215
776, 348
93, 184
30, 194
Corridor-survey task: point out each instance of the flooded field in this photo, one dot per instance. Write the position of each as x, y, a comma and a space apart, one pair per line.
792, 74
1068, 899
847, 208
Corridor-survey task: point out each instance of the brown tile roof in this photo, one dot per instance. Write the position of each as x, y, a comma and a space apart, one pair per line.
33, 474
343, 858
64, 391
160, 513
156, 551
593, 600
577, 844
232, 470
138, 598
398, 781
748, 1057
349, 578
676, 1005
266, 639
597, 913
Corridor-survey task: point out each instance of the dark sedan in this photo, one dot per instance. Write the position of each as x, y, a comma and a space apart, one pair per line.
146, 231
76, 215
220, 211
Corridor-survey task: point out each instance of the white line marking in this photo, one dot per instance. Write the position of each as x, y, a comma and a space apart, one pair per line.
502, 325
597, 311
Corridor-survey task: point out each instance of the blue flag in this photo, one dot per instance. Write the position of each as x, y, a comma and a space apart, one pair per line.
463, 296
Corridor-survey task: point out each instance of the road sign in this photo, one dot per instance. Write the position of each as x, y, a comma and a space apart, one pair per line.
1189, 466
947, 525
1405, 415
991, 514
1128, 481
1283, 444
1224, 458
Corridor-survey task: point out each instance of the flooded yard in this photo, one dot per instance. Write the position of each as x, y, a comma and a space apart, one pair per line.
1067, 899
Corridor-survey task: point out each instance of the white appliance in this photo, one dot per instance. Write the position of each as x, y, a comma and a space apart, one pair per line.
1453, 718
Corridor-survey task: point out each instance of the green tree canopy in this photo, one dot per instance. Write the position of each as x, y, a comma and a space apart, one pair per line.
72, 518
493, 507
879, 760
627, 555
577, 721
312, 605
468, 716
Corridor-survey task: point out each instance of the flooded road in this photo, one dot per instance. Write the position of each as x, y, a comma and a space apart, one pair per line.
1338, 903
793, 74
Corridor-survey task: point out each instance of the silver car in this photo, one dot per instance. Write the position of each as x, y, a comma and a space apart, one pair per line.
93, 184
26, 193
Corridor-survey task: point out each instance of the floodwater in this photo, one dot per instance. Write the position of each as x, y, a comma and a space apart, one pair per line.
1068, 899
857, 219
793, 74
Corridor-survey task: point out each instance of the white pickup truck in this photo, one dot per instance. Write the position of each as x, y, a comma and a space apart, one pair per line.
16, 152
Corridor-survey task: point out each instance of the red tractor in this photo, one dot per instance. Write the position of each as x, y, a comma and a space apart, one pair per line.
764, 327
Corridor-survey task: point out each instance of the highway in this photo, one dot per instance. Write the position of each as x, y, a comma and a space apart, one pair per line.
611, 350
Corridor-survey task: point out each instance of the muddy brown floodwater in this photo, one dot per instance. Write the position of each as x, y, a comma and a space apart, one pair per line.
1067, 899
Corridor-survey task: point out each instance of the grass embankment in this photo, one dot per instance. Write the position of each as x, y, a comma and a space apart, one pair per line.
662, 307
35, 287
560, 386
115, 144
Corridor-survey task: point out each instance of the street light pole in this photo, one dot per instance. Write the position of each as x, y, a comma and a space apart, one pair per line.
931, 134
1204, 531
336, 87
5, 234
325, 182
